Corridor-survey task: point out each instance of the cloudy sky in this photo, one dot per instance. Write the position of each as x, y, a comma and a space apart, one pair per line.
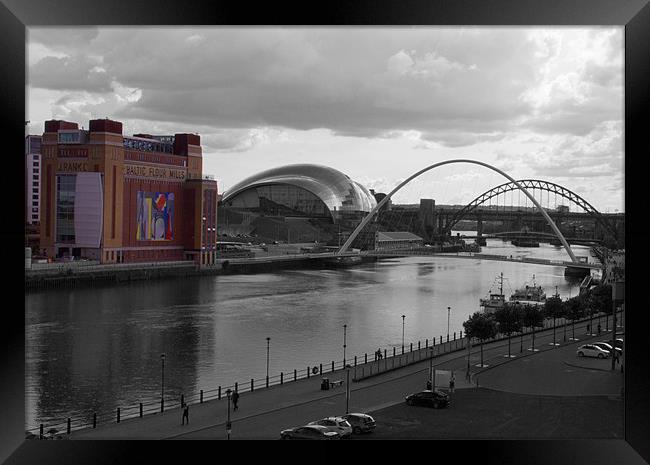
377, 103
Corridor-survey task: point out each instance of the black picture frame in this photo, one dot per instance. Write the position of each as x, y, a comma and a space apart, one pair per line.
16, 15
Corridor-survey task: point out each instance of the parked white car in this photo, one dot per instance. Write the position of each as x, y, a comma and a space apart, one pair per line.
591, 350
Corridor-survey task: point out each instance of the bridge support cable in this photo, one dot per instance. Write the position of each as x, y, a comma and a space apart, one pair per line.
374, 211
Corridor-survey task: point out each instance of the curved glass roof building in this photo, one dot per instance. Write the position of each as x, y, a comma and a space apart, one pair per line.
302, 190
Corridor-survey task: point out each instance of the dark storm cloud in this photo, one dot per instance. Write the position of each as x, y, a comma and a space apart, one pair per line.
354, 82
69, 39
456, 87
69, 73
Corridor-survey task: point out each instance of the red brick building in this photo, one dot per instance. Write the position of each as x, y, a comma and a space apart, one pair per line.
120, 199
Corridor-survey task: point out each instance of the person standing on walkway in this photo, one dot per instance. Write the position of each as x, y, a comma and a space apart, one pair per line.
599, 328
588, 329
452, 383
235, 398
186, 414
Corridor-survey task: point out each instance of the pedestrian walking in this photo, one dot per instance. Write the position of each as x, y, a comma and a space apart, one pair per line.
452, 383
235, 398
588, 329
599, 328
186, 414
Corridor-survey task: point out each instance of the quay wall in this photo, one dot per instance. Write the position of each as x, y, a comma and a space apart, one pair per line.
91, 275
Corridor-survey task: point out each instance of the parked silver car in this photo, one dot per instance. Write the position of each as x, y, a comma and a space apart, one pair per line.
591, 350
360, 422
309, 432
608, 347
337, 424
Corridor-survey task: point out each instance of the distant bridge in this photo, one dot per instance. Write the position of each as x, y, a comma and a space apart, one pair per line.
543, 237
480, 256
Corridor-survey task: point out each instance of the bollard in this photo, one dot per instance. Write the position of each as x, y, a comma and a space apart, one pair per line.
454, 335
440, 339
236, 387
355, 360
69, 426
201, 394
295, 375
141, 410
253, 386
321, 369
384, 356
461, 335
41, 434
95, 418
419, 345
332, 365
393, 351
281, 378
307, 372
447, 337
219, 393
366, 358
426, 343
433, 342
411, 347
118, 414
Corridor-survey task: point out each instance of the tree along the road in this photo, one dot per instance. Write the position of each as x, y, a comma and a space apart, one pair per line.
508, 321
574, 310
533, 318
600, 300
519, 311
482, 327
553, 308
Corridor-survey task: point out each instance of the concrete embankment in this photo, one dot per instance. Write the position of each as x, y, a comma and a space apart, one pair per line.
70, 275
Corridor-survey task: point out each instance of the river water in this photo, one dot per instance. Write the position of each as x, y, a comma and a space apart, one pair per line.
96, 349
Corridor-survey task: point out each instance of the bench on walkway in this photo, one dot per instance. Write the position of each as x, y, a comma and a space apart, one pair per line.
327, 384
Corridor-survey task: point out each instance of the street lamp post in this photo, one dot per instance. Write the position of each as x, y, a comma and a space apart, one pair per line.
347, 389
403, 316
268, 341
345, 327
431, 374
162, 384
228, 425
448, 312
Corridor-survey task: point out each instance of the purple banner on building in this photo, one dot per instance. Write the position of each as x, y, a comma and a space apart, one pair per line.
155, 216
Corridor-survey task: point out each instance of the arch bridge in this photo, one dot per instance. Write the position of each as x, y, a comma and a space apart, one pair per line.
523, 186
534, 184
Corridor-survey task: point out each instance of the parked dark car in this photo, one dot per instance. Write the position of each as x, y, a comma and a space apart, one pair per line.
618, 342
428, 398
361, 423
309, 432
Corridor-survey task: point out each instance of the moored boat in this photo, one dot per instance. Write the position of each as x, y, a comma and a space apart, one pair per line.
533, 294
494, 301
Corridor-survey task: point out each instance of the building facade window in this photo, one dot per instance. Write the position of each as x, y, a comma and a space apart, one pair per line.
65, 194
69, 137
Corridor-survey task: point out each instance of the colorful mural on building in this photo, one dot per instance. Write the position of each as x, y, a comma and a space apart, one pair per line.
155, 216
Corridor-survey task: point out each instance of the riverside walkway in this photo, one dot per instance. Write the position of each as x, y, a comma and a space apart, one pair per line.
383, 383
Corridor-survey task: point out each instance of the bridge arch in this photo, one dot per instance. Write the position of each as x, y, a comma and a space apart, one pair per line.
374, 211
531, 184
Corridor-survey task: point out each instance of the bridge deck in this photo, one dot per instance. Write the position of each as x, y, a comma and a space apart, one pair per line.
473, 255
